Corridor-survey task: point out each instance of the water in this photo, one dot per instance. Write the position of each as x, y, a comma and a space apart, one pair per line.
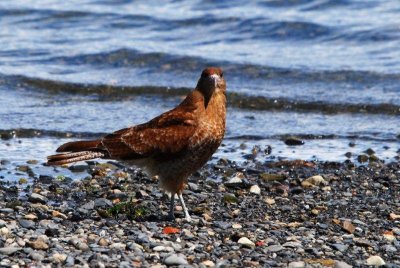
325, 71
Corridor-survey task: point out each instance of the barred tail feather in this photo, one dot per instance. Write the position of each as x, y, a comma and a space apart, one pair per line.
67, 158
78, 146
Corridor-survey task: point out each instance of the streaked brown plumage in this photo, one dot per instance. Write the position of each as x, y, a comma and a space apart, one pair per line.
173, 145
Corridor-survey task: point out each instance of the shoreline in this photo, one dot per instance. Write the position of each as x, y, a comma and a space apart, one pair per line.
275, 214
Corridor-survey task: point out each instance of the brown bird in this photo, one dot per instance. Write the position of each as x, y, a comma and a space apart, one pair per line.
171, 146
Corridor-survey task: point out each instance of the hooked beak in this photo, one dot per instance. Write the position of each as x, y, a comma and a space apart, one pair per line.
215, 78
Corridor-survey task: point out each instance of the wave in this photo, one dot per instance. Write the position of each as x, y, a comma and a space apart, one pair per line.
102, 92
234, 28
161, 62
6, 134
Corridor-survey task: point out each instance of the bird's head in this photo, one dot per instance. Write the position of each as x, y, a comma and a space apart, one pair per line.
211, 81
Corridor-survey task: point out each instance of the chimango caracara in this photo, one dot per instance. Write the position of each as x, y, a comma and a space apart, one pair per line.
172, 146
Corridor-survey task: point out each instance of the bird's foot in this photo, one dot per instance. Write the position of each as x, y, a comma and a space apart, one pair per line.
188, 218
171, 218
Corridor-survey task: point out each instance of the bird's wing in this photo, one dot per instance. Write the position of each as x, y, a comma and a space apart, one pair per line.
167, 133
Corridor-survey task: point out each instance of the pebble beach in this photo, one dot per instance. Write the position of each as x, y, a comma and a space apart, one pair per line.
254, 214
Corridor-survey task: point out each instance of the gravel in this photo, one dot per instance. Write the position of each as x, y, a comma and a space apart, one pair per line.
272, 214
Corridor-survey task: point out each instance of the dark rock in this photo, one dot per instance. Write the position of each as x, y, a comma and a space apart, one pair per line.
37, 198
369, 151
348, 154
102, 203
362, 158
52, 232
296, 190
268, 150
293, 141
222, 224
76, 217
89, 205
45, 179
79, 168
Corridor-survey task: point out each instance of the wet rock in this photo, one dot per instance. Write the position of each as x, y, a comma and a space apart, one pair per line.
362, 158
46, 179
369, 151
79, 168
348, 154
293, 141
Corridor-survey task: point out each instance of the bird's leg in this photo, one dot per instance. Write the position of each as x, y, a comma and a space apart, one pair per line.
172, 207
185, 210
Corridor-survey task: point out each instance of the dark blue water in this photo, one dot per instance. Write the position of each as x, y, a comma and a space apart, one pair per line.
326, 71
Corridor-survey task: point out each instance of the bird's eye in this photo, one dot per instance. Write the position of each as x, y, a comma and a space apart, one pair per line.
222, 74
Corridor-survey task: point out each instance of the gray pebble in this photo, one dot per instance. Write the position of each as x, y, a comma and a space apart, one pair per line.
37, 198
297, 264
26, 223
340, 247
9, 250
274, 248
175, 259
342, 264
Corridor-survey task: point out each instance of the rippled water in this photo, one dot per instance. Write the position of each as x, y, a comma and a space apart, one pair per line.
326, 71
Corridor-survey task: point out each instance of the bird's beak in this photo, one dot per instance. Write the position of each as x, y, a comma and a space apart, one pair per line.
215, 78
